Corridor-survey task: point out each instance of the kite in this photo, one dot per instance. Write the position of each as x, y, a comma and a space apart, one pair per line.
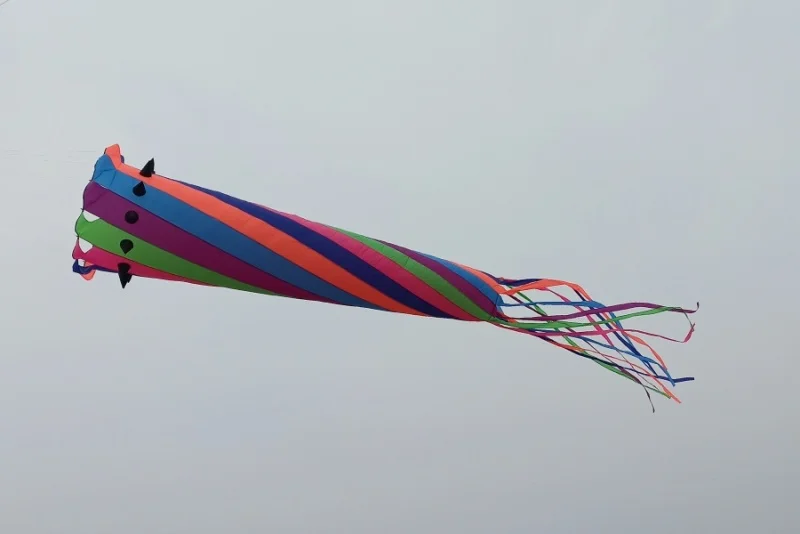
136, 223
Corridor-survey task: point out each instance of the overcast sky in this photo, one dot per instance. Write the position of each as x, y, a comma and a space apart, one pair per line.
646, 150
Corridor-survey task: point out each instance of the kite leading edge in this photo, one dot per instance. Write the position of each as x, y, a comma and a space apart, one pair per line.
141, 224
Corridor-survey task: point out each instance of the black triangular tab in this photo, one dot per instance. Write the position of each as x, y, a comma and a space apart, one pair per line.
139, 190
124, 272
126, 245
148, 169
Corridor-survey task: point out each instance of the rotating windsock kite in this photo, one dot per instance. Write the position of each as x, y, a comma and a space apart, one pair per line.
140, 224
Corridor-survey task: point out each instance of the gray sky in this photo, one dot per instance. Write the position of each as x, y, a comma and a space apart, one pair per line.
646, 150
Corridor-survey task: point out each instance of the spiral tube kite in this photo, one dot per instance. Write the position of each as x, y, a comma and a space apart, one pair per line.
140, 224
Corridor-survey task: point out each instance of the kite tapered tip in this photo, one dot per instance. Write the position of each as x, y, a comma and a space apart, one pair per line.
124, 272
139, 189
148, 169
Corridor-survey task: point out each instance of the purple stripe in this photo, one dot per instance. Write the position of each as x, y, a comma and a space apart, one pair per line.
601, 309
112, 208
470, 291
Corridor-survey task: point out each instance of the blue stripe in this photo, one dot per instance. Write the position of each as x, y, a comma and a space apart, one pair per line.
482, 286
86, 269
218, 234
333, 251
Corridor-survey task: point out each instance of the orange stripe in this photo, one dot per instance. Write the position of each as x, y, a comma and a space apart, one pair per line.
90, 274
266, 235
539, 284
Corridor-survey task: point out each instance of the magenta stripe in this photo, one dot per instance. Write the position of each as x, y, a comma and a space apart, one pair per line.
388, 267
112, 208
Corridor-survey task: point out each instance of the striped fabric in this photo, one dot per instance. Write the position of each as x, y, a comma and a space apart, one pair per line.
140, 224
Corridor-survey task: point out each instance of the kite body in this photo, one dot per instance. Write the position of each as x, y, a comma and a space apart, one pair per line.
140, 224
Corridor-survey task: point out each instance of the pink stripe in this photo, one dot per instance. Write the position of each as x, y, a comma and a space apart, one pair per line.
383, 264
107, 260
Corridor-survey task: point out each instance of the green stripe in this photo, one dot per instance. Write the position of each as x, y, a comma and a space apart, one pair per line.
107, 237
556, 325
433, 279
